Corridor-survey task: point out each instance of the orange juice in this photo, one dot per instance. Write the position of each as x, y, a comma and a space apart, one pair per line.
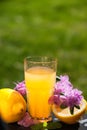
39, 84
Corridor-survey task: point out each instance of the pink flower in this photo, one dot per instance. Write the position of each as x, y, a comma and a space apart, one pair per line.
27, 121
21, 88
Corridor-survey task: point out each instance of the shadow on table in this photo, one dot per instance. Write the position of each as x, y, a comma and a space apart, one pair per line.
3, 126
70, 127
14, 126
55, 125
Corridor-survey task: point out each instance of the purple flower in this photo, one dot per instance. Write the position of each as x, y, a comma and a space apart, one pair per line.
65, 95
21, 88
63, 85
55, 99
27, 121
74, 98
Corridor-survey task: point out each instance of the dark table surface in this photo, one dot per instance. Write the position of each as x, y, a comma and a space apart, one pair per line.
81, 125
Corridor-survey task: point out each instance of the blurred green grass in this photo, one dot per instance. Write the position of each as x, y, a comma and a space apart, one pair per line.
48, 27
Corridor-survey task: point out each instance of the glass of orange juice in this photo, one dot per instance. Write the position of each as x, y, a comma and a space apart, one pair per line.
40, 78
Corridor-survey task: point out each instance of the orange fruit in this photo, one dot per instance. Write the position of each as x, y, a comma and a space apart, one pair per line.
12, 105
65, 116
86, 106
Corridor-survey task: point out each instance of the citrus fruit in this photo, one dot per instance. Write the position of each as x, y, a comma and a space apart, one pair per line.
65, 116
86, 107
12, 105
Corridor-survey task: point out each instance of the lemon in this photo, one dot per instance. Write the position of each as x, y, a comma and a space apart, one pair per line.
12, 105
86, 107
65, 116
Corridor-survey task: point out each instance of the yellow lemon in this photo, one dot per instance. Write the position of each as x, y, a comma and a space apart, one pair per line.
86, 106
64, 115
12, 105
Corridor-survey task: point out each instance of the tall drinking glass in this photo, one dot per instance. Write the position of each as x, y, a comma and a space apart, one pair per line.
40, 78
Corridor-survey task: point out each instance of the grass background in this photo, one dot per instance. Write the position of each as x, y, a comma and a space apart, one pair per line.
49, 27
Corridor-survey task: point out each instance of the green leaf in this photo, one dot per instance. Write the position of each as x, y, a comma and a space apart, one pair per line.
45, 124
62, 94
62, 106
72, 110
50, 125
78, 107
54, 125
37, 127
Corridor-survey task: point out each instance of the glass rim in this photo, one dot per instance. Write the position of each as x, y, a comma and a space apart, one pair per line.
40, 59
